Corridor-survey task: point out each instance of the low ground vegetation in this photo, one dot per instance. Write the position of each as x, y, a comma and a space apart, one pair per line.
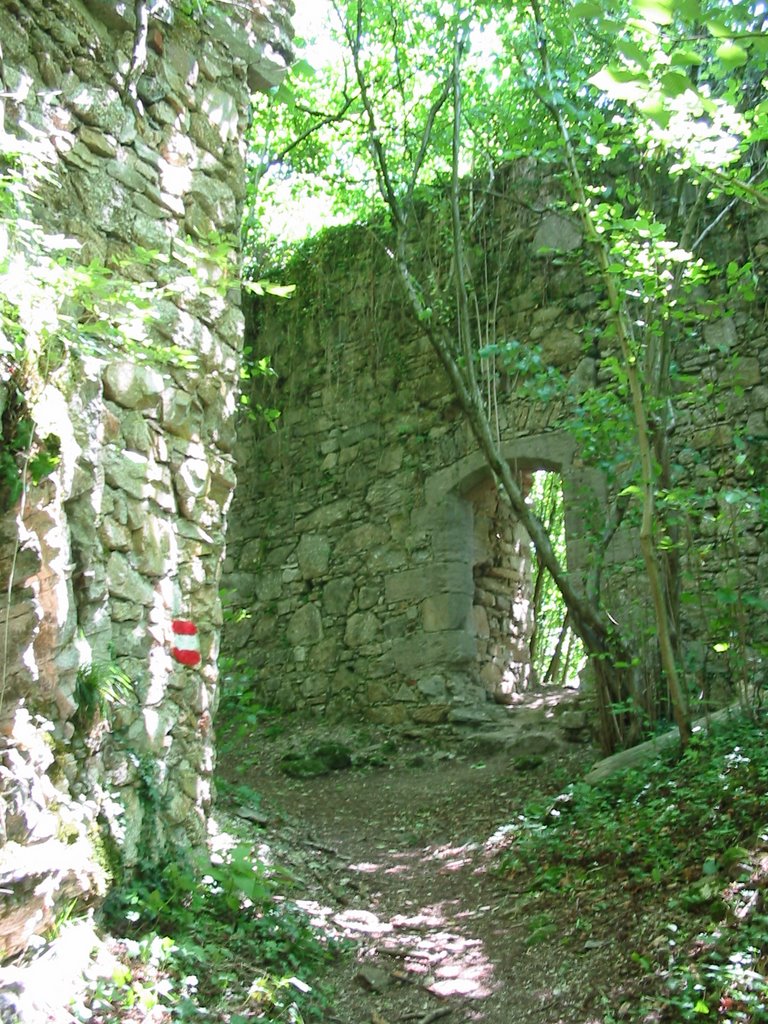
660, 872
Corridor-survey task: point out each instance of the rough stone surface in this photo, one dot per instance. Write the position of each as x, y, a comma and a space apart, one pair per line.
127, 534
372, 492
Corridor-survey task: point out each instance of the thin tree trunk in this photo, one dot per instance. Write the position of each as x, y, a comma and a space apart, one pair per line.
623, 329
610, 659
554, 661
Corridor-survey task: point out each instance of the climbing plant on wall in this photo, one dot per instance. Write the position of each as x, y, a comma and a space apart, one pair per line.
654, 121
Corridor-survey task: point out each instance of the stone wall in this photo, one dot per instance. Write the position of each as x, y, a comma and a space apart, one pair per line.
101, 724
502, 611
361, 575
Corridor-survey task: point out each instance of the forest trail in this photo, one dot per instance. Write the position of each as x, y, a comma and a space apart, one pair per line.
402, 860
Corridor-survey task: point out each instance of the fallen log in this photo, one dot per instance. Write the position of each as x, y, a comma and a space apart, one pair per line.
651, 749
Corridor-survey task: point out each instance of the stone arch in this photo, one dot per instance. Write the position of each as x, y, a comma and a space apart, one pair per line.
493, 549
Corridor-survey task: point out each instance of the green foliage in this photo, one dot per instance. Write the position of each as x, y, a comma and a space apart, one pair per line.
99, 688
240, 713
219, 934
682, 834
556, 651
531, 376
23, 455
192, 8
650, 824
254, 368
318, 760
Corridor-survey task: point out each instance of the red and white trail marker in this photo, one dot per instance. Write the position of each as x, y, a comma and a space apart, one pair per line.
186, 643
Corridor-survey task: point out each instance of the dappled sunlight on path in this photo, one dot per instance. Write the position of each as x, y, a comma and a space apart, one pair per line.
399, 862
416, 931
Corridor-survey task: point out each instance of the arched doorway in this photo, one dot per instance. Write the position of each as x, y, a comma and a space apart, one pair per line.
518, 620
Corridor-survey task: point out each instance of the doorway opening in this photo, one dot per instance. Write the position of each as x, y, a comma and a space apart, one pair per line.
557, 653
524, 640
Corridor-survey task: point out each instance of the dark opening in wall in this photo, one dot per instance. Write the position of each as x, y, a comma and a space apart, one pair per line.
520, 622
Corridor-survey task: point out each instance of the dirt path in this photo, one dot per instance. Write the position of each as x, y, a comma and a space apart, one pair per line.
400, 860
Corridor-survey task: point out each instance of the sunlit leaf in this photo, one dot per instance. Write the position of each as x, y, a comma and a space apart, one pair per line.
284, 94
303, 69
655, 108
587, 10
731, 54
690, 9
621, 84
632, 51
282, 291
685, 58
719, 28
675, 83
657, 11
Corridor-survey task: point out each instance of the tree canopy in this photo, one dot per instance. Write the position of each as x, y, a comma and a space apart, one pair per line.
676, 85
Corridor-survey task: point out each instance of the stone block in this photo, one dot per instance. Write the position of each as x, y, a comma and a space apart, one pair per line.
362, 628
191, 483
325, 516
757, 424
527, 744
562, 347
378, 692
154, 547
368, 597
720, 335
337, 594
574, 721
136, 432
431, 714
113, 535
124, 582
386, 492
480, 621
305, 627
313, 553
94, 105
344, 681
133, 385
390, 460
557, 234
387, 714
445, 612
415, 584
98, 143
220, 109
432, 687
365, 537
740, 373
415, 653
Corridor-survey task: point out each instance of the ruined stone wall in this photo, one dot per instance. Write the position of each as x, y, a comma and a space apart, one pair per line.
359, 535
502, 612
145, 172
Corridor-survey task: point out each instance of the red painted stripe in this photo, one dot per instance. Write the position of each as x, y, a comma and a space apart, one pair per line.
184, 627
186, 657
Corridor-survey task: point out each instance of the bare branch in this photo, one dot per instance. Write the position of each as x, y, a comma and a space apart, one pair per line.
426, 137
376, 146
